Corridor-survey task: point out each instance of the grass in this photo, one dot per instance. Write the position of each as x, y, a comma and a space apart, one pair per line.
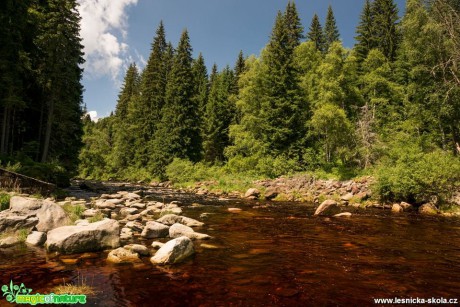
99, 216
21, 234
74, 212
80, 287
4, 201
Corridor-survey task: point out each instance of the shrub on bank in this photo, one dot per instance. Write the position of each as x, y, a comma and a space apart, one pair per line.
417, 177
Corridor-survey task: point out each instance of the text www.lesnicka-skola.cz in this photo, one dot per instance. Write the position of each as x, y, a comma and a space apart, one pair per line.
416, 300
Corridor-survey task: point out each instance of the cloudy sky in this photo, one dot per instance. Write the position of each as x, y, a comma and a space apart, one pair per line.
118, 32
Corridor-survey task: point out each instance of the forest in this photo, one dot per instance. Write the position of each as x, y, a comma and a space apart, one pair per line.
40, 90
389, 107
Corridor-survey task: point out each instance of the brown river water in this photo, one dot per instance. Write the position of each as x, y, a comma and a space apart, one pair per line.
274, 255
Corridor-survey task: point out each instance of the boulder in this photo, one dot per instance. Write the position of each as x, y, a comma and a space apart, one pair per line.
428, 209
155, 230
344, 214
36, 238
178, 230
170, 219
105, 204
115, 201
79, 239
23, 205
138, 206
90, 212
135, 226
157, 245
9, 241
128, 211
396, 208
252, 193
122, 255
406, 206
327, 208
174, 251
271, 193
50, 216
347, 197
126, 233
138, 249
93, 186
12, 222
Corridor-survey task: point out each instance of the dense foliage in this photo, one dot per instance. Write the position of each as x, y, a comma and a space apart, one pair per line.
389, 106
40, 90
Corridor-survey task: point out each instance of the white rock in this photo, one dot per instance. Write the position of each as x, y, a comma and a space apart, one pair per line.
174, 251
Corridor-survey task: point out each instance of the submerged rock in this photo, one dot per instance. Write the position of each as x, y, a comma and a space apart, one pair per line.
344, 214
122, 255
9, 241
327, 208
174, 251
79, 239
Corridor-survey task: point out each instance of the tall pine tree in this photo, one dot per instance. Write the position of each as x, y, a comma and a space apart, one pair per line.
365, 39
385, 27
178, 133
331, 32
316, 34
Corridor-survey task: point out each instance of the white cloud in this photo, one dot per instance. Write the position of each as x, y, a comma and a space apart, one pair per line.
93, 116
104, 29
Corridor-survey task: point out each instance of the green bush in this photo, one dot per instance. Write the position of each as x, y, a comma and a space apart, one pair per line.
4, 201
96, 218
416, 176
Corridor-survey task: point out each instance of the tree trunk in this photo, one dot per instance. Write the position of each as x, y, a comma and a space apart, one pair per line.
5, 128
49, 125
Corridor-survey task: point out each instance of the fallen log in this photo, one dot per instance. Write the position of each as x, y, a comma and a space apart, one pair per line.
24, 184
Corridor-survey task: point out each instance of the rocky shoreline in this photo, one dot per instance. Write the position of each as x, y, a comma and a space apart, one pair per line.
355, 193
108, 222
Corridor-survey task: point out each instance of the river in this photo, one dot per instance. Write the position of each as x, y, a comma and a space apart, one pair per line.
274, 254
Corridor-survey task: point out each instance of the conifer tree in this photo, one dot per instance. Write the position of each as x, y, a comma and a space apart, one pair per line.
331, 32
218, 117
124, 131
384, 27
293, 24
153, 86
365, 38
316, 34
178, 133
59, 40
201, 86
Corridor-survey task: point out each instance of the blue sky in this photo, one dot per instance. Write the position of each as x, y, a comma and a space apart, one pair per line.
118, 32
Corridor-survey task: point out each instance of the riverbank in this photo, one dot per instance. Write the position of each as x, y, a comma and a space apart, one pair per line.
306, 188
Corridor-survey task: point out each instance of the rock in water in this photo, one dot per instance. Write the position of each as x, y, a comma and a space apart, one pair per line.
155, 230
138, 249
428, 209
79, 239
121, 255
252, 193
36, 238
174, 251
396, 208
344, 214
171, 219
327, 208
178, 230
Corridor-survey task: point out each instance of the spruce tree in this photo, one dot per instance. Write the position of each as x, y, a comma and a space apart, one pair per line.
283, 107
385, 27
178, 133
219, 115
316, 34
240, 66
129, 88
60, 76
293, 24
153, 86
331, 32
201, 86
365, 38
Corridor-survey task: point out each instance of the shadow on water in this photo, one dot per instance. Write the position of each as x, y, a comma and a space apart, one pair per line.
277, 254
